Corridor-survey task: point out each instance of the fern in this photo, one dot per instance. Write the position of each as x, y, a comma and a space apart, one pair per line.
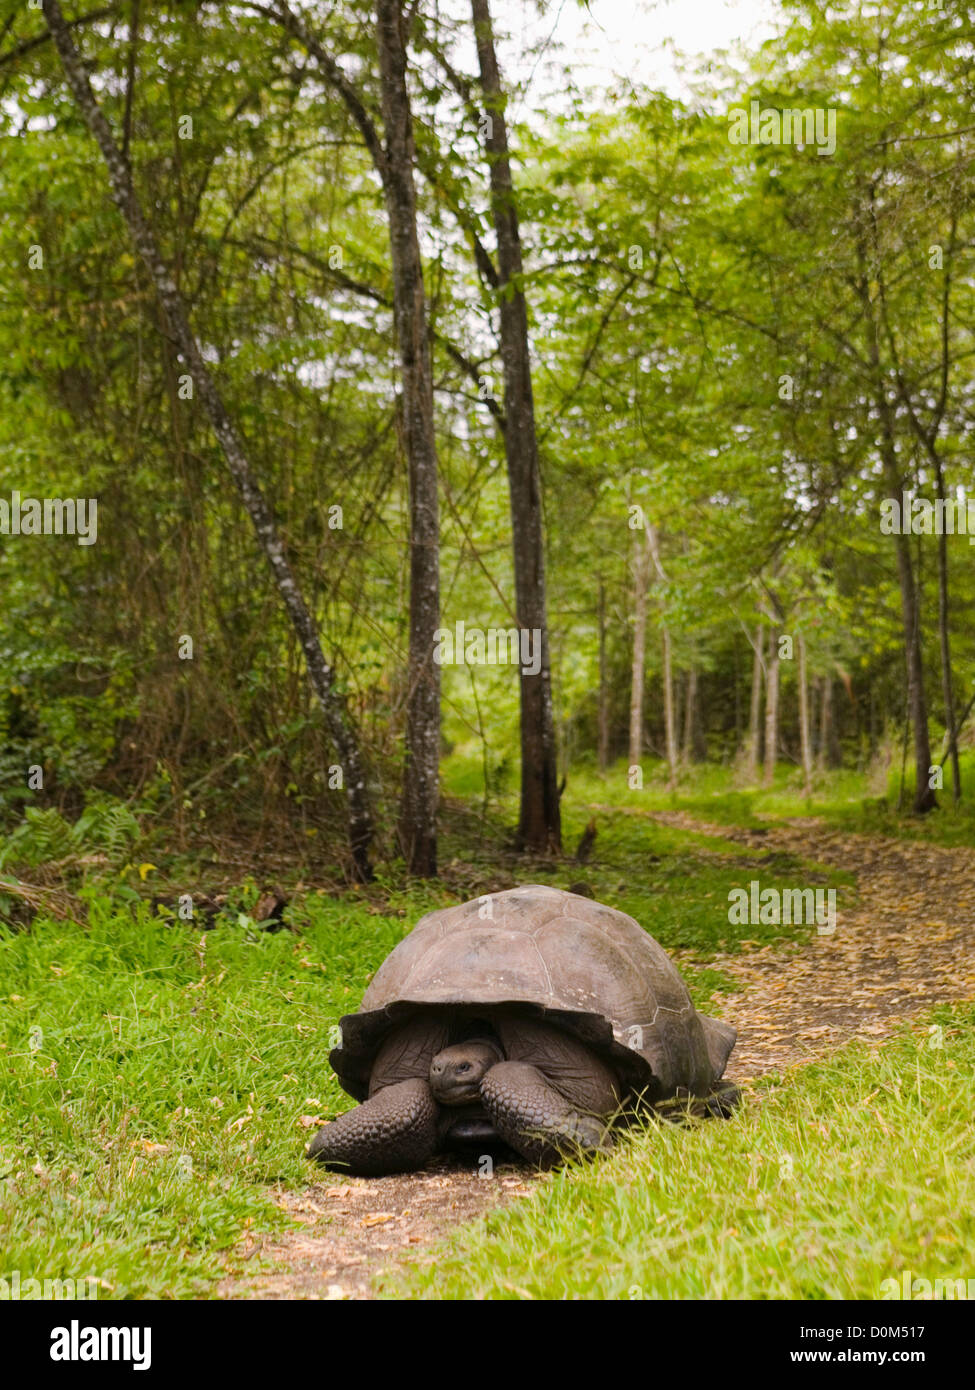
42, 836
104, 827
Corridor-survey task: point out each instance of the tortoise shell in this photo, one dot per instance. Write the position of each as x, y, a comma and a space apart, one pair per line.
553, 955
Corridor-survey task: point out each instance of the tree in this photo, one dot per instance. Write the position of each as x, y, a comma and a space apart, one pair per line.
319, 671
418, 829
539, 826
394, 162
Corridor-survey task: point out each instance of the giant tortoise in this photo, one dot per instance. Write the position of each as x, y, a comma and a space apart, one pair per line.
533, 1017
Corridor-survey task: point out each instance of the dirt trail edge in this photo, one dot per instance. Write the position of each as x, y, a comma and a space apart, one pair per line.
907, 943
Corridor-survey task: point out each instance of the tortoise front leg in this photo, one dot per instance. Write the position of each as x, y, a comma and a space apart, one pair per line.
535, 1120
394, 1131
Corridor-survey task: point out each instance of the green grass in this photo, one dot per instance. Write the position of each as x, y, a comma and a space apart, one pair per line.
949, 825
712, 792
676, 884
151, 1082
153, 1076
828, 1182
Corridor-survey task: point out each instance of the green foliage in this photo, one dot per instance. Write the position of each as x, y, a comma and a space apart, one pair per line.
106, 828
673, 279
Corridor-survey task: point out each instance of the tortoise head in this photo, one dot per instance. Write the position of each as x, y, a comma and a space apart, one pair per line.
456, 1073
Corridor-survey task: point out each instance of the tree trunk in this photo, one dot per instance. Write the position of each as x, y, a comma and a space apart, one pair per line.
540, 822
828, 747
641, 581
602, 713
805, 740
924, 797
421, 769
753, 752
670, 717
945, 642
694, 749
320, 674
772, 708
917, 711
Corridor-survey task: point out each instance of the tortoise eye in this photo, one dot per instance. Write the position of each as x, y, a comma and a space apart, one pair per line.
464, 1066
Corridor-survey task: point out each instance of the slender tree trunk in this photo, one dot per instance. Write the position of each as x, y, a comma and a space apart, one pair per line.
917, 709
641, 582
677, 687
828, 753
394, 163
772, 708
421, 771
602, 714
959, 725
670, 714
805, 740
540, 821
945, 641
690, 717
753, 753
320, 674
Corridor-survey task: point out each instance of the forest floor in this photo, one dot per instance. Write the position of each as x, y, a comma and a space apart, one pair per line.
906, 943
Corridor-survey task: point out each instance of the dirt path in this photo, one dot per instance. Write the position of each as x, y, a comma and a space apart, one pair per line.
908, 942
352, 1227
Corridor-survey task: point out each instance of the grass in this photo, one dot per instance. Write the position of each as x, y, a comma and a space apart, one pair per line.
151, 1082
949, 825
676, 883
713, 792
828, 1182
154, 1076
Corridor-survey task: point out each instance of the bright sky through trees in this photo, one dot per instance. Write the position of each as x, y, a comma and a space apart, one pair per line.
610, 41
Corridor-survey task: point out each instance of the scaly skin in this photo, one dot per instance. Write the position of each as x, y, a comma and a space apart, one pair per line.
535, 1120
456, 1073
395, 1131
546, 1113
